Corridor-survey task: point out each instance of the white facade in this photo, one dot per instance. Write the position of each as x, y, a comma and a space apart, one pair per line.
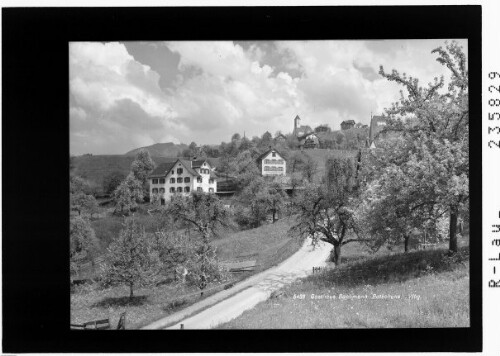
273, 164
182, 179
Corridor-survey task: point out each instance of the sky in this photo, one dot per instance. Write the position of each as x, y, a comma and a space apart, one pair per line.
125, 95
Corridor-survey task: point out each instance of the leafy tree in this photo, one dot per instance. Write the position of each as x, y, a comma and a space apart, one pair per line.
245, 144
244, 168
131, 259
266, 140
273, 198
127, 195
236, 137
81, 200
174, 249
386, 216
207, 215
435, 131
141, 168
112, 181
83, 242
193, 147
325, 211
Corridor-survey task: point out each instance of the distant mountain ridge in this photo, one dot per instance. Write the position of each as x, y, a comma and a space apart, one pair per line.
167, 149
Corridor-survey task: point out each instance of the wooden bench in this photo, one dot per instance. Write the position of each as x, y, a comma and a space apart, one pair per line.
102, 324
240, 266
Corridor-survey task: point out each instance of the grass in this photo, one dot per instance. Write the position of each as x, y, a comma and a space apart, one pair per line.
270, 243
417, 289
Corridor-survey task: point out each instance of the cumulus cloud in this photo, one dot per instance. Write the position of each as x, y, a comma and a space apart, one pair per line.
126, 95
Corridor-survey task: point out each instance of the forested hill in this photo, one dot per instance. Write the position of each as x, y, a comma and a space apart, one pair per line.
167, 149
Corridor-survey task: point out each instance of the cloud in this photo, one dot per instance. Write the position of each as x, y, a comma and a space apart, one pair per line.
123, 95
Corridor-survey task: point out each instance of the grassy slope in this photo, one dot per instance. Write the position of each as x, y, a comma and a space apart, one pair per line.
441, 285
270, 242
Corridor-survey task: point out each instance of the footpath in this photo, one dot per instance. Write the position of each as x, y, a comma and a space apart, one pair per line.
228, 304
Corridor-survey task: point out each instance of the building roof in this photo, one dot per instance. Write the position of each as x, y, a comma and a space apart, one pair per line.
187, 164
198, 163
302, 130
348, 122
162, 170
267, 152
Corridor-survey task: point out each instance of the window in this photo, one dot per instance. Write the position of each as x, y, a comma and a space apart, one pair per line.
172, 171
155, 181
179, 189
280, 169
266, 168
172, 190
155, 190
162, 190
179, 170
186, 189
162, 180
172, 180
211, 181
199, 189
274, 154
210, 190
187, 180
179, 180
266, 161
199, 180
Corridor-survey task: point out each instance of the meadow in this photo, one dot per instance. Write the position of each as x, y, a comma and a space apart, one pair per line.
392, 290
269, 245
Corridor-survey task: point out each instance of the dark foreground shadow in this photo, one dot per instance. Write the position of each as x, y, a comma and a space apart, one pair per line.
121, 302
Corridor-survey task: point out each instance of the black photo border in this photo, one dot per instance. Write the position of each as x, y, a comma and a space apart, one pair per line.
35, 143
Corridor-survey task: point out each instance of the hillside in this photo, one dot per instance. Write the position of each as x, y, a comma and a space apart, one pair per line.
167, 149
95, 167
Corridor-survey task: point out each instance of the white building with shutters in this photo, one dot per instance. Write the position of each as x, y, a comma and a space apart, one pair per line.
182, 177
271, 163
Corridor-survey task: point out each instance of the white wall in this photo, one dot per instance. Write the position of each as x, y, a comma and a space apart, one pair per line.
193, 185
270, 157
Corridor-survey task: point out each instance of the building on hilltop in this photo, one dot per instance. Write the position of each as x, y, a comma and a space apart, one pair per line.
182, 177
377, 123
280, 138
298, 130
271, 163
305, 134
348, 124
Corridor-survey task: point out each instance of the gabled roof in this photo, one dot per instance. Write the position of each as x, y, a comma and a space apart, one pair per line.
187, 164
198, 163
348, 122
269, 151
162, 170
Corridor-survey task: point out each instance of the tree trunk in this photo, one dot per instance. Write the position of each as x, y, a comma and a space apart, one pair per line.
274, 216
336, 254
131, 285
453, 229
407, 239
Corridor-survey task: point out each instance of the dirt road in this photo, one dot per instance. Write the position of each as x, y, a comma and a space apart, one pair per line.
229, 304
